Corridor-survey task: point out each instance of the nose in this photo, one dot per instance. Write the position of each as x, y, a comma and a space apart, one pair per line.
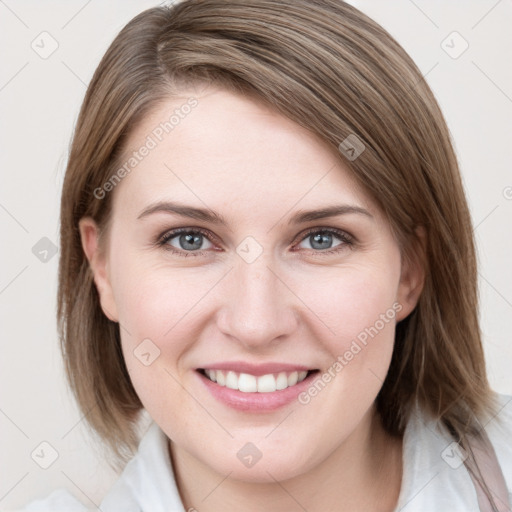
257, 306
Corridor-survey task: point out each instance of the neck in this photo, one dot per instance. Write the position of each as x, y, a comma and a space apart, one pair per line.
363, 473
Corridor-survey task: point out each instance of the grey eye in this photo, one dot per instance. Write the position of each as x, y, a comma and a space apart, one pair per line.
321, 240
189, 241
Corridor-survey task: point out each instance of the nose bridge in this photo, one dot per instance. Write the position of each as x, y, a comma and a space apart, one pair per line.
257, 307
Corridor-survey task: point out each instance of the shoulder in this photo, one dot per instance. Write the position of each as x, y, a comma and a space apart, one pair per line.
146, 482
499, 431
58, 501
434, 474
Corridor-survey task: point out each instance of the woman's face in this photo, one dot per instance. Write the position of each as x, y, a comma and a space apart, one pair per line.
252, 285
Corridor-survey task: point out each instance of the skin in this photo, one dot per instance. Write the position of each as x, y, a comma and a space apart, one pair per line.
292, 304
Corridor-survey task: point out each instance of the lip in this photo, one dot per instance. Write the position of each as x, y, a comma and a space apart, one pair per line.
256, 402
255, 369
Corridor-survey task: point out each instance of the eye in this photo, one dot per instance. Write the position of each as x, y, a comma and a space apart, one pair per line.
191, 241
186, 241
322, 240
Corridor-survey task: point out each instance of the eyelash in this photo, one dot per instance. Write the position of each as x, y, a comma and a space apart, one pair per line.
348, 240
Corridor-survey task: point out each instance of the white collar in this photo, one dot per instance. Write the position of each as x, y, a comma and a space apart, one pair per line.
434, 477
431, 481
147, 483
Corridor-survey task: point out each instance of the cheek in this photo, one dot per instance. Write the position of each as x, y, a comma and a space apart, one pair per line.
360, 306
349, 312
353, 303
157, 309
339, 304
161, 310
152, 298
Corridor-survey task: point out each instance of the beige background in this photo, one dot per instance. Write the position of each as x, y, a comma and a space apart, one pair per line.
39, 102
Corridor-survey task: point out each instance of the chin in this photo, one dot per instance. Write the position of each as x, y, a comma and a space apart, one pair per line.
271, 466
264, 473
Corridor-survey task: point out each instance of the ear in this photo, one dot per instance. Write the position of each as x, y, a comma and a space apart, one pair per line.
89, 234
412, 278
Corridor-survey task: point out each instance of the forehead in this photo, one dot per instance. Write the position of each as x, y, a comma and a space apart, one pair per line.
231, 150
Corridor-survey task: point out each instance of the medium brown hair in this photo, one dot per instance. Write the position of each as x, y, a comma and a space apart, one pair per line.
334, 71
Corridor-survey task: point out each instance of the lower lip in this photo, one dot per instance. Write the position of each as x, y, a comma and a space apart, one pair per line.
256, 402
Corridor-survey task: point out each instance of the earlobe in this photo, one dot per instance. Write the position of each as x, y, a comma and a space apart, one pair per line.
89, 234
412, 278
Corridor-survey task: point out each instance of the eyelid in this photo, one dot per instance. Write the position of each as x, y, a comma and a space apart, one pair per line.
169, 234
346, 238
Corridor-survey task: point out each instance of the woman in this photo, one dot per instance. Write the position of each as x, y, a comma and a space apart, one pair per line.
267, 247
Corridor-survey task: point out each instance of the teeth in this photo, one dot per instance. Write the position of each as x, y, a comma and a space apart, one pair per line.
246, 383
220, 378
282, 381
266, 384
231, 380
250, 383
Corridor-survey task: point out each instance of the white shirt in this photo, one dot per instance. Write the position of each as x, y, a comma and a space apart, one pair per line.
434, 477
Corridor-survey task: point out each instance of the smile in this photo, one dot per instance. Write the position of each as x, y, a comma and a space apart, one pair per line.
255, 389
247, 383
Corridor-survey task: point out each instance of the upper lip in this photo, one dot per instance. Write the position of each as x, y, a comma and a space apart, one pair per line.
255, 369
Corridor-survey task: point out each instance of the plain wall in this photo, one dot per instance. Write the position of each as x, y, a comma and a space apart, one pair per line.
39, 103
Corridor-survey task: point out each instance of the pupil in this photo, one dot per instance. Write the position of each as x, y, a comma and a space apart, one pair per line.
190, 241
319, 239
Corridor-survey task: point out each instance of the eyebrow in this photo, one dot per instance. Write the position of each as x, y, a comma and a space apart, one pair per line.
207, 215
